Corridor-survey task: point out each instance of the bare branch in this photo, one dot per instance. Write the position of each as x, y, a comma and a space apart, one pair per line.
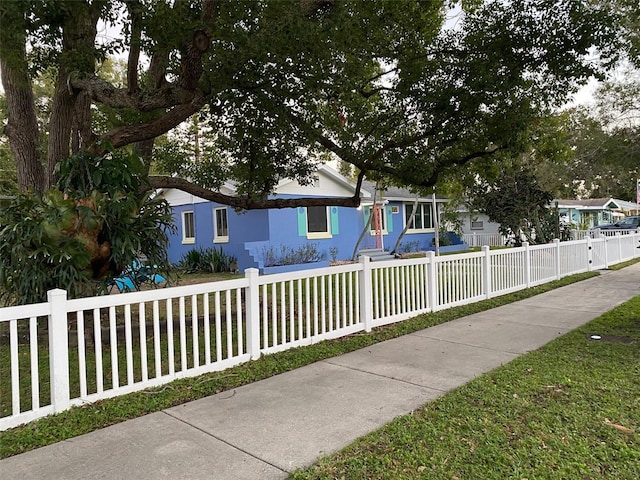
104, 92
431, 181
255, 203
208, 10
128, 134
135, 12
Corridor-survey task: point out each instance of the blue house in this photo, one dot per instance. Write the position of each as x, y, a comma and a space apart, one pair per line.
257, 238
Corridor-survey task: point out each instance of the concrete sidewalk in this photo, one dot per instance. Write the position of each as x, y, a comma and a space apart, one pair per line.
269, 428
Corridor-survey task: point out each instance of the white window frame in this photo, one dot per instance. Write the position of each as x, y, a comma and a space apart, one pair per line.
324, 234
476, 227
217, 238
422, 205
188, 239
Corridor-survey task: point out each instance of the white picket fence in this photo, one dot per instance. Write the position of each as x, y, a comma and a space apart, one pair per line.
484, 239
64, 352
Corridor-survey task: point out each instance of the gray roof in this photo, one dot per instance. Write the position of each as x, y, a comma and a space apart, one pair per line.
396, 193
588, 203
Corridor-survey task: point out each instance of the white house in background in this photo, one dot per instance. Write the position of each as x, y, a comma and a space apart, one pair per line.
478, 230
628, 208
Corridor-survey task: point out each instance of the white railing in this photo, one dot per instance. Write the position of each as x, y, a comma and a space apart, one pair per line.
62, 353
484, 239
604, 232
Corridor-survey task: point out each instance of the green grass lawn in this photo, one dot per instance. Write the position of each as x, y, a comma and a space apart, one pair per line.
570, 410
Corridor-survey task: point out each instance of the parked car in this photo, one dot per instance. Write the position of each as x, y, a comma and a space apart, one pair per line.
627, 223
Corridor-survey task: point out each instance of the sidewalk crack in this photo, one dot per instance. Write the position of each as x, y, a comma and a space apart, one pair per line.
235, 447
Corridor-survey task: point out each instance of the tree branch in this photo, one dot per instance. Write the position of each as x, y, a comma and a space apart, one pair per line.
104, 92
431, 181
208, 10
135, 12
128, 134
253, 203
406, 142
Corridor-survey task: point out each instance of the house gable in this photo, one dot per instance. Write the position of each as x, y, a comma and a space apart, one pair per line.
174, 196
328, 183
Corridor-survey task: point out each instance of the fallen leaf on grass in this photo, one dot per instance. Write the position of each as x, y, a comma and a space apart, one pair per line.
618, 427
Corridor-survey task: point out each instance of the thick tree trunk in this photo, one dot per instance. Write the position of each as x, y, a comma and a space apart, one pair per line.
22, 127
70, 122
60, 124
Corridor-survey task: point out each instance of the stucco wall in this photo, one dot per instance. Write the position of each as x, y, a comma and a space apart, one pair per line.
250, 232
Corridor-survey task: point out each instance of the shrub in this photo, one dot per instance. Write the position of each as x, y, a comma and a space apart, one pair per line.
209, 260
96, 223
307, 253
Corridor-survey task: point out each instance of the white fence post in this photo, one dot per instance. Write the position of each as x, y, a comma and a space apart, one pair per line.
432, 280
589, 254
527, 264
558, 263
253, 313
366, 294
58, 350
486, 266
619, 240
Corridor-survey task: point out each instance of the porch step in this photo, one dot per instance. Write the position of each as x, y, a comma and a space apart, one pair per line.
376, 254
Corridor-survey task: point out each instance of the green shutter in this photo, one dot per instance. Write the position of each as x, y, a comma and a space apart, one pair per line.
335, 228
302, 222
367, 213
389, 219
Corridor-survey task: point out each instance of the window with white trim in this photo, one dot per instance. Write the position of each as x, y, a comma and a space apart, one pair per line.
383, 220
188, 227
318, 222
220, 225
476, 224
422, 217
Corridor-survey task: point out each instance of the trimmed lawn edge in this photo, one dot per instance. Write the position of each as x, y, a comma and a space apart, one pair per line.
620, 266
80, 420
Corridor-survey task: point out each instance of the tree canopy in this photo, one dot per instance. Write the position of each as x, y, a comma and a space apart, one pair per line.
394, 88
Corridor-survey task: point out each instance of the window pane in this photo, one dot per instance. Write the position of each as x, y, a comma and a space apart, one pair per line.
418, 221
417, 218
189, 225
426, 208
222, 229
317, 220
408, 208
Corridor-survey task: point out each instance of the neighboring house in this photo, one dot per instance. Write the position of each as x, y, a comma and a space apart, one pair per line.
478, 230
396, 207
252, 235
477, 223
628, 208
587, 213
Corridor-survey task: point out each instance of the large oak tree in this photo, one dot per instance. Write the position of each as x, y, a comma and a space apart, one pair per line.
395, 88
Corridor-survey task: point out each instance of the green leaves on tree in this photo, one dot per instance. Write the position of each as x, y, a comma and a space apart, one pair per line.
97, 222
